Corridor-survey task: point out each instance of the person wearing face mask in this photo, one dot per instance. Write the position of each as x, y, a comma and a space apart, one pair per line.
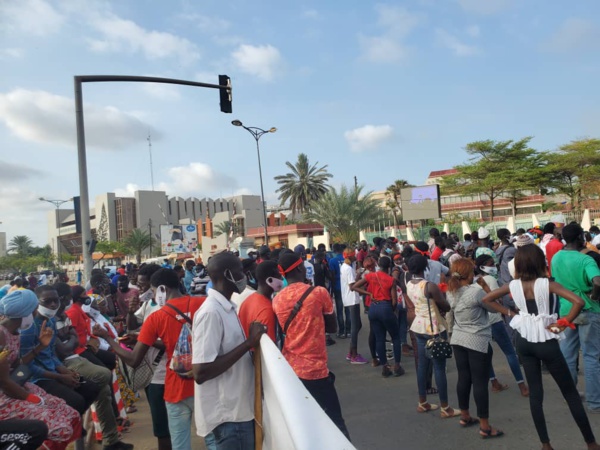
25, 400
165, 325
76, 380
258, 307
221, 363
249, 267
304, 346
486, 269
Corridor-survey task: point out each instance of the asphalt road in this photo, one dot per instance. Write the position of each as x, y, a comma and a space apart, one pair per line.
381, 413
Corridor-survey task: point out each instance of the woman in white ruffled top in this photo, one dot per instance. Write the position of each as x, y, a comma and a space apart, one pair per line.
538, 331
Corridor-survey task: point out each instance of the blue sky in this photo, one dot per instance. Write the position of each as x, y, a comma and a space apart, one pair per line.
378, 90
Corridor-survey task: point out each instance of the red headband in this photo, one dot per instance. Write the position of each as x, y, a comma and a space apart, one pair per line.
289, 269
421, 252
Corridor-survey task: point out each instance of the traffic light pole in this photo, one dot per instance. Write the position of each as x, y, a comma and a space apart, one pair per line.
86, 228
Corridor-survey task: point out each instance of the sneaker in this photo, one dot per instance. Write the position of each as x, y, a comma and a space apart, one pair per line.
399, 371
348, 357
341, 335
386, 372
358, 359
329, 341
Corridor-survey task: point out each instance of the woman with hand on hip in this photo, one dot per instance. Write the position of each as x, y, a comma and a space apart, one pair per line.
538, 333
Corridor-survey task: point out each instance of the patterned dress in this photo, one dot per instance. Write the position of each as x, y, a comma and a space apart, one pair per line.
64, 423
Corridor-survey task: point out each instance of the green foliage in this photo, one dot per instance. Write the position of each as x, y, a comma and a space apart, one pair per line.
20, 245
393, 200
225, 228
574, 170
345, 212
498, 169
137, 241
304, 185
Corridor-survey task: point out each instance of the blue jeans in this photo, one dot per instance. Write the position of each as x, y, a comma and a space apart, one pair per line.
500, 335
439, 369
233, 436
587, 336
383, 319
344, 326
180, 425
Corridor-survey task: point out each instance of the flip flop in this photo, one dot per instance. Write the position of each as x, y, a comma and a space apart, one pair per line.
467, 423
487, 434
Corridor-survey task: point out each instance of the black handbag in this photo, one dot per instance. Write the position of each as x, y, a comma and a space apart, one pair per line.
437, 347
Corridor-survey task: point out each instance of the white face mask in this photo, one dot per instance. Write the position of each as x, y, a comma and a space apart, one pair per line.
275, 283
47, 312
69, 305
26, 322
161, 296
490, 270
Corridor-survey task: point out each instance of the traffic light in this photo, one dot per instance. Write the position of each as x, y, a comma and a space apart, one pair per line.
225, 93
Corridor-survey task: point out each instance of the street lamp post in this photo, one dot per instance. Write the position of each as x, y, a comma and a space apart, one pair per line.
257, 133
57, 204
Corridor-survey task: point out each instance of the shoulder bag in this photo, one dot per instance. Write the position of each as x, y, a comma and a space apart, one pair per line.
437, 347
293, 315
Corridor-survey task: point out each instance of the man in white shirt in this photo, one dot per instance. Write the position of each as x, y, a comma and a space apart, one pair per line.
351, 300
221, 362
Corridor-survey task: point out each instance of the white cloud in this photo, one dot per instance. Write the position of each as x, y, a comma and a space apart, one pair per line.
473, 31
195, 179
35, 17
162, 91
12, 172
369, 137
573, 34
262, 61
453, 43
11, 53
121, 35
208, 24
389, 47
39, 116
485, 7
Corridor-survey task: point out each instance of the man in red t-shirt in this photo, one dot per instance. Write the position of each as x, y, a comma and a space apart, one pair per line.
304, 346
553, 247
166, 324
258, 307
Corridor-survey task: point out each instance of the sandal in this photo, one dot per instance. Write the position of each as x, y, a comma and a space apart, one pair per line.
487, 434
446, 414
466, 423
426, 407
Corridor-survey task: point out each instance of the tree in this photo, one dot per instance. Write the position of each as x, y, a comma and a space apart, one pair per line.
497, 169
223, 228
21, 245
393, 200
110, 248
574, 170
302, 186
345, 212
137, 241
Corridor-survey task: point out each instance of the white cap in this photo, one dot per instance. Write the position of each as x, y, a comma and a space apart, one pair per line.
483, 233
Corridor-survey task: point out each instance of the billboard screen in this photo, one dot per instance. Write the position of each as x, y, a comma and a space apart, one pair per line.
178, 238
421, 202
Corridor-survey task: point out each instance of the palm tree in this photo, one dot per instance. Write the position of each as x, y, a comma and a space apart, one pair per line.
345, 212
223, 228
137, 241
393, 196
303, 185
21, 245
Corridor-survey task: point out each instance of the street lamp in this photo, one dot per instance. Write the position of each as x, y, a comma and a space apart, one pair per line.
257, 134
57, 204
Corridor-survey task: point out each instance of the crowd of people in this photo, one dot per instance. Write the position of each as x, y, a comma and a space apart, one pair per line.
63, 346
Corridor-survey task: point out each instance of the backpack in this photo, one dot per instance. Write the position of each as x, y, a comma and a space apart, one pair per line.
181, 361
445, 259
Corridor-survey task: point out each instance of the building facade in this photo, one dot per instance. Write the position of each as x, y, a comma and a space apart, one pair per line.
113, 218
